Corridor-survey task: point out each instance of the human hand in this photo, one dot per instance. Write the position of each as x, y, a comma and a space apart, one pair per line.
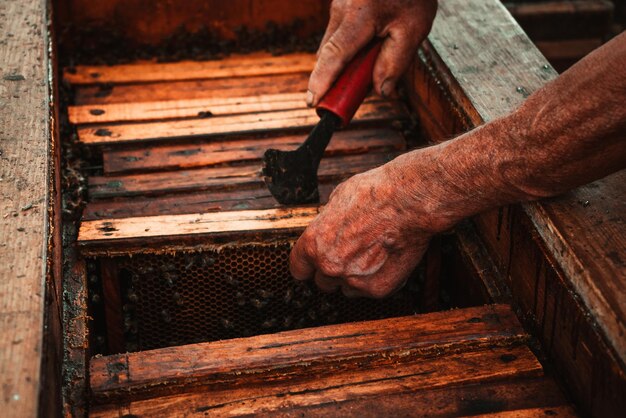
366, 240
403, 24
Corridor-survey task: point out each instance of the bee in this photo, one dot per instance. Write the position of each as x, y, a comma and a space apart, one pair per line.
169, 278
240, 298
270, 323
298, 304
165, 315
257, 303
132, 296
226, 323
306, 292
312, 314
206, 261
264, 294
288, 296
95, 298
231, 281
178, 299
287, 321
325, 306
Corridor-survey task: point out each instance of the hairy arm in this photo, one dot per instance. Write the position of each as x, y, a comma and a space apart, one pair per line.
376, 226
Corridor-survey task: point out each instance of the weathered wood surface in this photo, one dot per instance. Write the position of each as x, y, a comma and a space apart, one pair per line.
178, 156
318, 351
332, 169
558, 20
196, 202
196, 224
25, 177
515, 395
233, 66
473, 72
190, 90
233, 124
191, 108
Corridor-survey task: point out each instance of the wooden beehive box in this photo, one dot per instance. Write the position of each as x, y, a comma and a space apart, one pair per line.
171, 295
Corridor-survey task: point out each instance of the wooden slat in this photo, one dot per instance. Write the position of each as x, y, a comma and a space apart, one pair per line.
233, 66
222, 178
199, 202
237, 124
26, 196
200, 224
451, 400
318, 351
191, 90
185, 108
177, 156
560, 411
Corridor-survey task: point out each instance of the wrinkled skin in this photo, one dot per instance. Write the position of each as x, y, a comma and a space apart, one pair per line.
359, 242
403, 24
376, 225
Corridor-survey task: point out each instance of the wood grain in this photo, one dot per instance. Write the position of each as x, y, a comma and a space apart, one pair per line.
196, 224
191, 90
319, 351
25, 170
249, 175
232, 66
455, 399
177, 156
235, 124
194, 202
185, 108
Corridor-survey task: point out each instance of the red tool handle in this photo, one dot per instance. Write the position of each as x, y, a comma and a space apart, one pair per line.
346, 95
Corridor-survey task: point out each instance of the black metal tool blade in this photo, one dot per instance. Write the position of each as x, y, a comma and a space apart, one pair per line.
291, 176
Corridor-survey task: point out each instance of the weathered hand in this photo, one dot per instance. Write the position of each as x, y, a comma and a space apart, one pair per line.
365, 240
353, 23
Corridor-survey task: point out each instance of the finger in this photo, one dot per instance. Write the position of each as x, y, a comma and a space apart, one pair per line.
395, 56
300, 262
349, 38
325, 283
334, 22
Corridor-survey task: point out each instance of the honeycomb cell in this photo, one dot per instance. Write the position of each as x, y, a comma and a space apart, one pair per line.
235, 292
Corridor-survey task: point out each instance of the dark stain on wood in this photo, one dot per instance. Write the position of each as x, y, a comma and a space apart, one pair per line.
103, 132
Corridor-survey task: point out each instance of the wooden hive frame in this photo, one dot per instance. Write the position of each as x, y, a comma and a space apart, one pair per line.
572, 305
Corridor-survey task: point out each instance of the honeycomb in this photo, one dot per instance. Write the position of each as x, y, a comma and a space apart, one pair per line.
171, 300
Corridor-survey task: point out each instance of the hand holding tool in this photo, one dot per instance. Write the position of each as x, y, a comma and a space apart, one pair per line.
291, 176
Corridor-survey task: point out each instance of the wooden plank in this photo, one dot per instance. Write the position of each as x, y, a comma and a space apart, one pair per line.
111, 292
232, 66
309, 352
561, 411
191, 90
243, 176
177, 156
198, 202
25, 190
196, 224
571, 49
559, 20
448, 401
184, 108
237, 124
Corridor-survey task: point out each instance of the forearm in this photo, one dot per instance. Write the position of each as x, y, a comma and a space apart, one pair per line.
568, 133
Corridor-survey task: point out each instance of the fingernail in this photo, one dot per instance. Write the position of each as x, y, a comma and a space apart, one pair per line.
386, 89
310, 98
